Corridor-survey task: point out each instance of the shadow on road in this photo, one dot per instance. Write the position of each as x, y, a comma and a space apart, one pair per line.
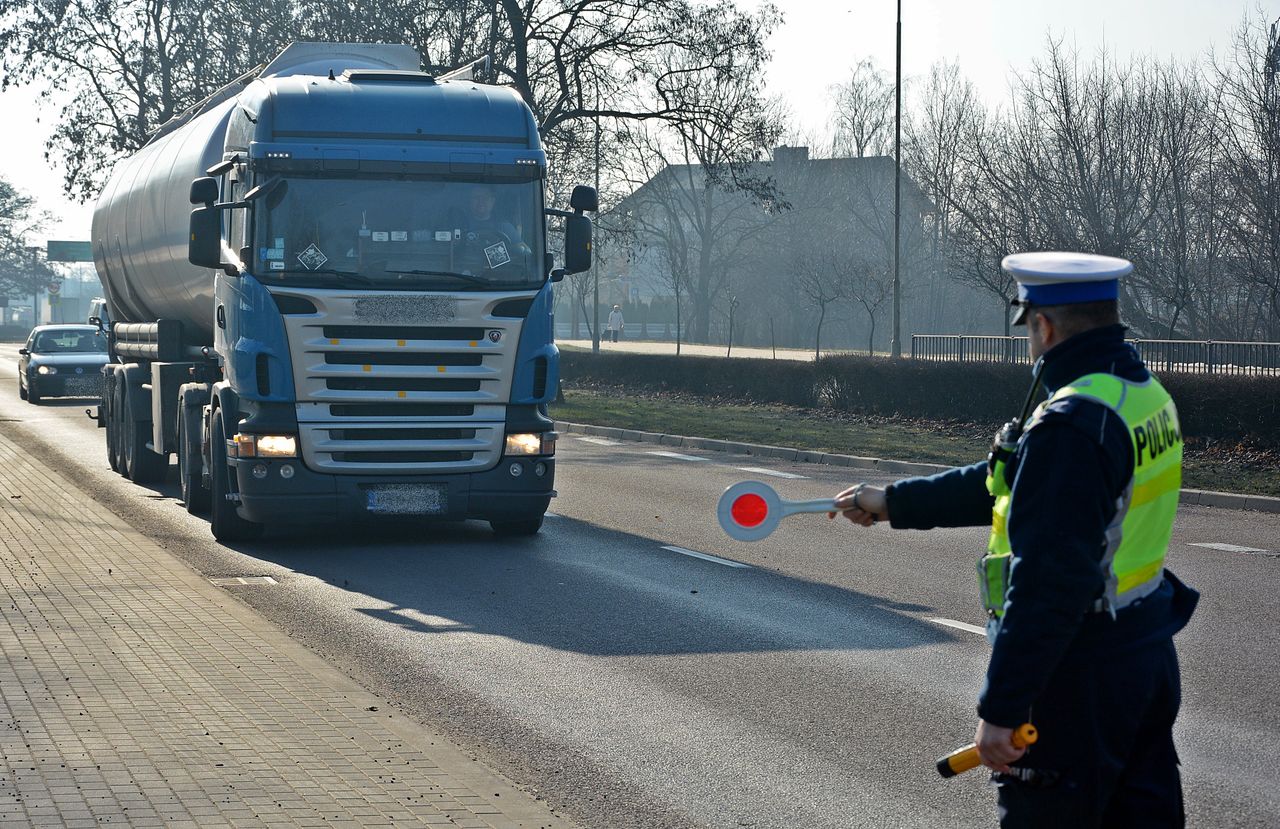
577, 587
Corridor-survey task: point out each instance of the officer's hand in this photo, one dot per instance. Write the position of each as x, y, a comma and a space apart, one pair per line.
862, 504
995, 746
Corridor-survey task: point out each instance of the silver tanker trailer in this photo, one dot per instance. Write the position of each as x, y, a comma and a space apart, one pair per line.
354, 321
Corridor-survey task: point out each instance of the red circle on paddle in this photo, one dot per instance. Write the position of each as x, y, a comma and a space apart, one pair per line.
749, 510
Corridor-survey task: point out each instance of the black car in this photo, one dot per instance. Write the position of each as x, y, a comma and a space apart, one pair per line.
62, 361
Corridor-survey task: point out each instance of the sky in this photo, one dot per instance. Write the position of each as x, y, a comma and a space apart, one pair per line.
817, 46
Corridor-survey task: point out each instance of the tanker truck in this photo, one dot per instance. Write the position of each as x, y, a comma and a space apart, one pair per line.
330, 298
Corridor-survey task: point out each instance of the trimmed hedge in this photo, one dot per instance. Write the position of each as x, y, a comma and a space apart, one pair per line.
1216, 407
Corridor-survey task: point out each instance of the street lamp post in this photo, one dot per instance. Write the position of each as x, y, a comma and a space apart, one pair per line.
895, 348
595, 266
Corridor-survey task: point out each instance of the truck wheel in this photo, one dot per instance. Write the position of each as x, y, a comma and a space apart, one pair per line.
141, 464
115, 443
226, 523
190, 462
517, 529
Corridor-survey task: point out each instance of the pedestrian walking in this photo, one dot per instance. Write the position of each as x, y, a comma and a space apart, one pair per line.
616, 323
1081, 610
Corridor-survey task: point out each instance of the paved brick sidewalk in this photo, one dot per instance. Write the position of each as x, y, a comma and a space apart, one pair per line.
133, 692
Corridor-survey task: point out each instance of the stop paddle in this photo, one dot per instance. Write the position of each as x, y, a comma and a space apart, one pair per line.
751, 510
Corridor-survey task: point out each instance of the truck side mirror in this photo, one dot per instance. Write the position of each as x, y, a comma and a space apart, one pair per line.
577, 244
204, 190
584, 198
205, 247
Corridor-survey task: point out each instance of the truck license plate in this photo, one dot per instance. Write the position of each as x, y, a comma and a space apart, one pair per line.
407, 499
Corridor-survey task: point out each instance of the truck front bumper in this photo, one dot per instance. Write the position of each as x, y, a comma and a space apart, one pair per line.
269, 497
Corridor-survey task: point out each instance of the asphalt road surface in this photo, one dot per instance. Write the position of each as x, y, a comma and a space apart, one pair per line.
634, 684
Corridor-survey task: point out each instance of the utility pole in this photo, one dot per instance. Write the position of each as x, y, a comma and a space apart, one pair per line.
493, 44
35, 286
895, 348
595, 260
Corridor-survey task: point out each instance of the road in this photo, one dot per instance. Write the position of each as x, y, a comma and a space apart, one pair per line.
634, 685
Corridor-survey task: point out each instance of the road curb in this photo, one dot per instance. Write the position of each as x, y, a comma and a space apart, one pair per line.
1195, 497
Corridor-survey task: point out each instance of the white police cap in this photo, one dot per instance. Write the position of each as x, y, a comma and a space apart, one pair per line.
1062, 278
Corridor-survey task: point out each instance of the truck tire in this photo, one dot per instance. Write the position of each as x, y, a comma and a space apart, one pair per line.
141, 464
517, 529
115, 425
190, 461
226, 523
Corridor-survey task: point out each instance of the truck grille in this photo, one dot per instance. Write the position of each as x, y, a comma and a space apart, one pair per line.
408, 399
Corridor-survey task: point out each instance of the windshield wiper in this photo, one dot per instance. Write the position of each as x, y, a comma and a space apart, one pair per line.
475, 280
345, 276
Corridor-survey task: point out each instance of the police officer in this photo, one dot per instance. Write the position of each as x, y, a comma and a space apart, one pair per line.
1080, 499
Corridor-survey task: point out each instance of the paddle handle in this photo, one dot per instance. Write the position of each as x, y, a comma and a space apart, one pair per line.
820, 505
963, 759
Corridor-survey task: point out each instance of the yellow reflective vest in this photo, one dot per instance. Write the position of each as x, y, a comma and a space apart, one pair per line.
1138, 536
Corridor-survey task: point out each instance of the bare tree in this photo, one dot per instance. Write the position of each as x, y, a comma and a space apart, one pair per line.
22, 271
127, 66
700, 193
819, 276
1250, 80
864, 112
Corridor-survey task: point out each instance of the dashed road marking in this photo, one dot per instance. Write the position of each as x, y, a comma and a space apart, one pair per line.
705, 557
952, 623
238, 581
597, 441
1226, 548
760, 470
675, 455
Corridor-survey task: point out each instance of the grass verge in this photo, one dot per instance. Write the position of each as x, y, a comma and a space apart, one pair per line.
1213, 467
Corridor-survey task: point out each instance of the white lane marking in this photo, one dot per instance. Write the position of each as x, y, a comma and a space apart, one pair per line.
675, 455
1226, 548
597, 441
716, 559
760, 470
952, 623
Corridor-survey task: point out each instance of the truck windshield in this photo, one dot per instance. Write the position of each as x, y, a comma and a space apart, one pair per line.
402, 233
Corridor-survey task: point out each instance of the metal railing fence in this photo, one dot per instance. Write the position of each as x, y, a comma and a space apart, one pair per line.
1161, 356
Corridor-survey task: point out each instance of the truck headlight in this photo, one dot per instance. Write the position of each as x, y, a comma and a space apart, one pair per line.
532, 443
47, 370
263, 446
277, 446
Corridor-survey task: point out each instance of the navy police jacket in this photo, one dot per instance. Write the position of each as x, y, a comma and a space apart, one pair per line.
1066, 477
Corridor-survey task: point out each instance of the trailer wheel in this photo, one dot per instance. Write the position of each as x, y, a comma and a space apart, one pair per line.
517, 529
142, 465
226, 523
190, 461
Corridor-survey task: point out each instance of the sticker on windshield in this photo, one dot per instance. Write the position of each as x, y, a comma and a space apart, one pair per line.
312, 257
380, 235
399, 235
443, 235
497, 254
276, 266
